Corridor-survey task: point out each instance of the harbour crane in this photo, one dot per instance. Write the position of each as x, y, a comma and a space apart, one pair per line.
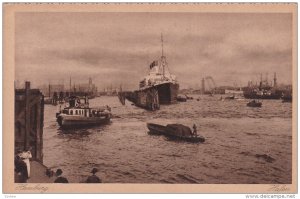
210, 83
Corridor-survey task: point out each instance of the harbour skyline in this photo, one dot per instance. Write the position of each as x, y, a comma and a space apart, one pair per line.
119, 47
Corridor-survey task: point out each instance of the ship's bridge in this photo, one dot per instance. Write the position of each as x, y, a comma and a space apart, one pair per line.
158, 74
154, 71
156, 78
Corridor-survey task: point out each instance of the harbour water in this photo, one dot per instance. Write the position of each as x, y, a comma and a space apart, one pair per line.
243, 145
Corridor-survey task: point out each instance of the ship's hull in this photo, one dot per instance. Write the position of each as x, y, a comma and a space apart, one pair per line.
69, 121
253, 95
152, 97
167, 93
287, 99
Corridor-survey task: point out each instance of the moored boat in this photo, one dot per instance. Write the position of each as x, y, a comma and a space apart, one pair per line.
287, 96
230, 97
188, 97
181, 98
286, 100
78, 114
254, 103
175, 131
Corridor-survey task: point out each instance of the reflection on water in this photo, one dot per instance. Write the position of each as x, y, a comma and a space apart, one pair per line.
243, 145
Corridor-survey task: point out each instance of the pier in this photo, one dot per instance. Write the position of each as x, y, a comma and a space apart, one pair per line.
58, 93
63, 96
147, 99
29, 122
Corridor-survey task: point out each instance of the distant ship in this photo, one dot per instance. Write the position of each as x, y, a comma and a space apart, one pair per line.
262, 94
287, 96
160, 79
263, 91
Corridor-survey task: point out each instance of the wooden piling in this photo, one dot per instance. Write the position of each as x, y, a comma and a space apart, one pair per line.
147, 99
27, 115
29, 119
121, 96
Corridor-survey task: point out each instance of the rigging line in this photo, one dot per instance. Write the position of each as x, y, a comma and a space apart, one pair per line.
162, 45
169, 72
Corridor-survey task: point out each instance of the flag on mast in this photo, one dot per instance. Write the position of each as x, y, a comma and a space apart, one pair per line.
154, 63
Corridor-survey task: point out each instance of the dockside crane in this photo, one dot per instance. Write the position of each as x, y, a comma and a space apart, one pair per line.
210, 83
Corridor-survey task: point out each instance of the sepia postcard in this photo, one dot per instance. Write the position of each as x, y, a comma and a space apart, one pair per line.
150, 98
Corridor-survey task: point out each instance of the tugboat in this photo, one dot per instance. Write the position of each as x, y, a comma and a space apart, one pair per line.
254, 103
78, 114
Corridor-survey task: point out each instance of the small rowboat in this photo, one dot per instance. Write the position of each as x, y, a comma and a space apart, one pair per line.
175, 131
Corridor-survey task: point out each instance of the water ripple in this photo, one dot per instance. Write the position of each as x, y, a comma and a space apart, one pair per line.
243, 145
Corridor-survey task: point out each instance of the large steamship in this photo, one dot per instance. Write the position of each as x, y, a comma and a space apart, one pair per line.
160, 83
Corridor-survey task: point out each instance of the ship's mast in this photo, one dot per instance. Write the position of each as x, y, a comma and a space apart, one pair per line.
162, 55
260, 83
49, 90
162, 46
70, 84
275, 80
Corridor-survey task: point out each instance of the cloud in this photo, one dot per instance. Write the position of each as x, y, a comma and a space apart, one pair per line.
118, 47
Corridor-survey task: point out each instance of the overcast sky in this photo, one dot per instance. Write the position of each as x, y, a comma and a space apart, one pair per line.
118, 48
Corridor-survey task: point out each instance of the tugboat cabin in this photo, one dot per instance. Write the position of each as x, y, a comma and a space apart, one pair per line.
77, 108
85, 112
